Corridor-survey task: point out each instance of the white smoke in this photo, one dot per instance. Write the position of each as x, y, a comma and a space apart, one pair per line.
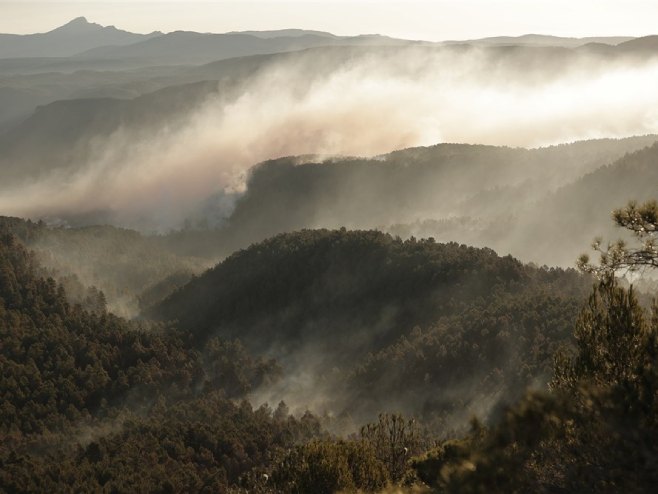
365, 106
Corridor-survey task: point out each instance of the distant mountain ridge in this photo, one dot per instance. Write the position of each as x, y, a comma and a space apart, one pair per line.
644, 43
546, 40
188, 47
88, 40
278, 33
70, 39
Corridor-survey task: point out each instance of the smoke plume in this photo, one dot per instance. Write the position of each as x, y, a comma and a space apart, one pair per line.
365, 105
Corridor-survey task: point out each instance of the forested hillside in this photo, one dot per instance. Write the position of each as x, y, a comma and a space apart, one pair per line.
578, 212
510, 199
596, 430
129, 268
349, 299
341, 308
291, 261
84, 393
119, 388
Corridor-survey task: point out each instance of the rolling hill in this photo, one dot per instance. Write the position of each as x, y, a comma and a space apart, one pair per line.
331, 305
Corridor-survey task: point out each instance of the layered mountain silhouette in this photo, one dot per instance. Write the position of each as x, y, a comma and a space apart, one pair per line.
545, 40
55, 119
82, 59
91, 41
184, 47
514, 200
70, 39
88, 41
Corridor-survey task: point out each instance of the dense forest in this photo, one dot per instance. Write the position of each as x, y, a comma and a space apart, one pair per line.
320, 300
297, 262
513, 200
447, 334
139, 273
79, 386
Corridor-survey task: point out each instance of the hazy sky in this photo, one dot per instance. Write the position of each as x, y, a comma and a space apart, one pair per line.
432, 20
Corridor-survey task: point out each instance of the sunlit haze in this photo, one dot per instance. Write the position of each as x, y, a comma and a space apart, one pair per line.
329, 246
430, 20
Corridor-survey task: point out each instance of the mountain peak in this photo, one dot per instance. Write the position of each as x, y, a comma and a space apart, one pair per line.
78, 25
78, 20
